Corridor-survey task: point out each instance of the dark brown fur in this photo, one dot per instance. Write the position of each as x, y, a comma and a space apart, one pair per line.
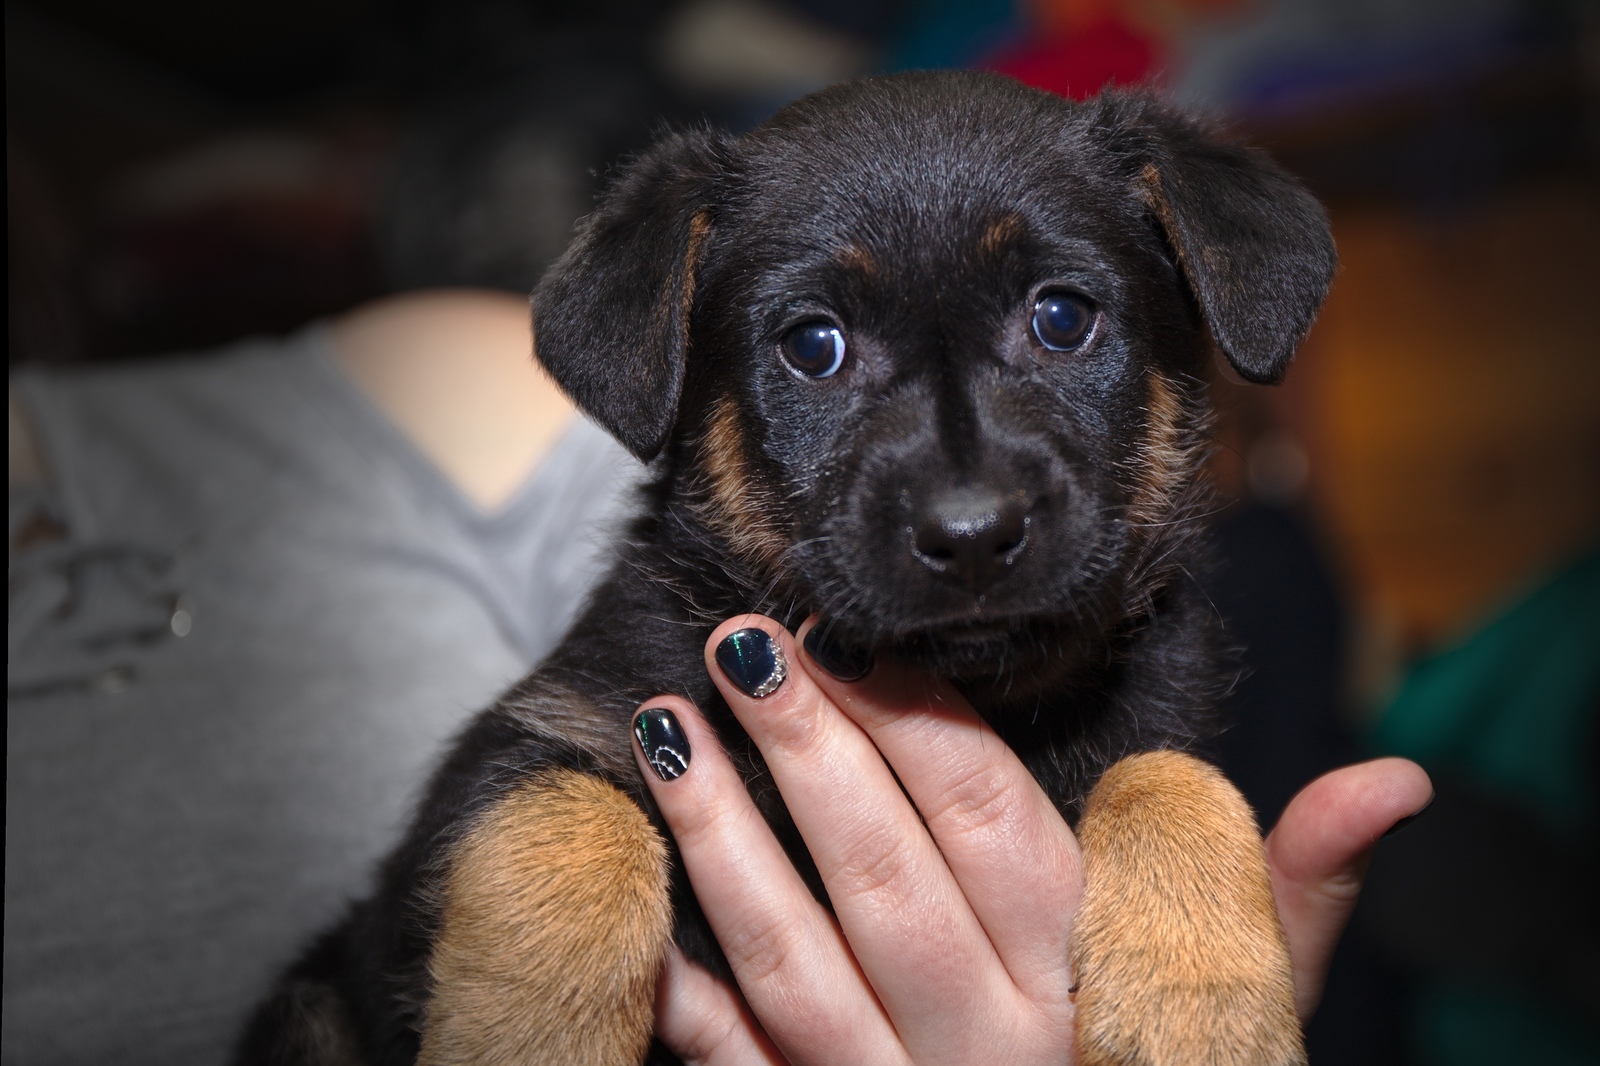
923, 217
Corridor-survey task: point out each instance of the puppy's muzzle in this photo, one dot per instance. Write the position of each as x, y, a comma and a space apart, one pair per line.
971, 535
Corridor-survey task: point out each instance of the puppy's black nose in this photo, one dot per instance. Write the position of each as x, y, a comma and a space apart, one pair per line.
970, 534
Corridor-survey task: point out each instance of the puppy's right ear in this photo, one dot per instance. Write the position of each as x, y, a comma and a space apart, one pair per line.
611, 316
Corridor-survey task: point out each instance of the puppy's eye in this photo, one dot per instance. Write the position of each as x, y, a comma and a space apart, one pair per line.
816, 349
1061, 320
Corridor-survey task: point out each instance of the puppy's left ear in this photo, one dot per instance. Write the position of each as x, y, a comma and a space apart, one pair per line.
611, 316
1254, 245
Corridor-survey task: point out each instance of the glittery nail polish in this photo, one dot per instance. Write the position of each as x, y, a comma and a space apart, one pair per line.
663, 741
752, 661
846, 662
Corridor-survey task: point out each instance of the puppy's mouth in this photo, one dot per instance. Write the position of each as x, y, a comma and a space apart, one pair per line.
1007, 653
986, 647
976, 631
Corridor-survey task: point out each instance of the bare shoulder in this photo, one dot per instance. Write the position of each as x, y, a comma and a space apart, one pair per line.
454, 370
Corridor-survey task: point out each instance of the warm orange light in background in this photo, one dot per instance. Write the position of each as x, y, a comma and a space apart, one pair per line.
1449, 398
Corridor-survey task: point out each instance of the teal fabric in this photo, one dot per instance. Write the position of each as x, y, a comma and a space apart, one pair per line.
1514, 704
950, 33
1514, 707
1457, 1024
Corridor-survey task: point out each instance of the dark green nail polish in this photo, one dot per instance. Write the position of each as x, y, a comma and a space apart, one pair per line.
663, 741
847, 662
751, 660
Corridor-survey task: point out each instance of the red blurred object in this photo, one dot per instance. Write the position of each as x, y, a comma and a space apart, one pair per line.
1080, 61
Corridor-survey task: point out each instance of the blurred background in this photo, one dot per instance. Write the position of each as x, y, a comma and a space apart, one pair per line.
1413, 540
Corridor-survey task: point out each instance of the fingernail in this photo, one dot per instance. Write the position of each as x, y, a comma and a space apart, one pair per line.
751, 660
663, 741
1408, 819
846, 662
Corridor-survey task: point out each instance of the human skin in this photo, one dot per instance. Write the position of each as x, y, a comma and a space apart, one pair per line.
451, 369
953, 899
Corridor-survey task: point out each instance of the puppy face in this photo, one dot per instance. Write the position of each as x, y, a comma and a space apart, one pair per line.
936, 342
924, 349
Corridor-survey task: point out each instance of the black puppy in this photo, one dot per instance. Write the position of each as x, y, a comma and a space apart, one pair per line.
922, 355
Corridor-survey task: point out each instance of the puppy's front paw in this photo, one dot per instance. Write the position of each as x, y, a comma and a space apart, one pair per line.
1177, 949
556, 917
1177, 1025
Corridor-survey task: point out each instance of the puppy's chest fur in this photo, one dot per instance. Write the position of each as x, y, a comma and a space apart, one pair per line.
1151, 680
921, 356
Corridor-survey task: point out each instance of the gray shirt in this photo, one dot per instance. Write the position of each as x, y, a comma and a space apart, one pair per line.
227, 684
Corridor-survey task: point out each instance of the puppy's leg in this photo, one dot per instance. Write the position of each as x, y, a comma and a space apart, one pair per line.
556, 918
1177, 949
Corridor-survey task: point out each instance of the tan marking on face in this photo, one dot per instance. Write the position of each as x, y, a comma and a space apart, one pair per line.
1168, 457
857, 260
740, 508
999, 234
556, 919
1154, 196
1177, 951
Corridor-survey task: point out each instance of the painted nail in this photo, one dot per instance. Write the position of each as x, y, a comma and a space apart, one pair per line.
1408, 819
752, 660
846, 662
663, 741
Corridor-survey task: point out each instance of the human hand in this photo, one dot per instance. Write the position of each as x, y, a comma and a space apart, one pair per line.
948, 938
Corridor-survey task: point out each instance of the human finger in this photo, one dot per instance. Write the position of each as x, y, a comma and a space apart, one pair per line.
705, 1022
912, 931
1317, 855
788, 953
989, 817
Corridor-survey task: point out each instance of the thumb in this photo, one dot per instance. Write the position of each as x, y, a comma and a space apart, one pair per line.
1318, 856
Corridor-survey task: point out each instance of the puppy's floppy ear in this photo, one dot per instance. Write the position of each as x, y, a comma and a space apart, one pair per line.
611, 316
1253, 243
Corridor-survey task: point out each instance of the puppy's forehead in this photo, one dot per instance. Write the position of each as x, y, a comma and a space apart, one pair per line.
922, 163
